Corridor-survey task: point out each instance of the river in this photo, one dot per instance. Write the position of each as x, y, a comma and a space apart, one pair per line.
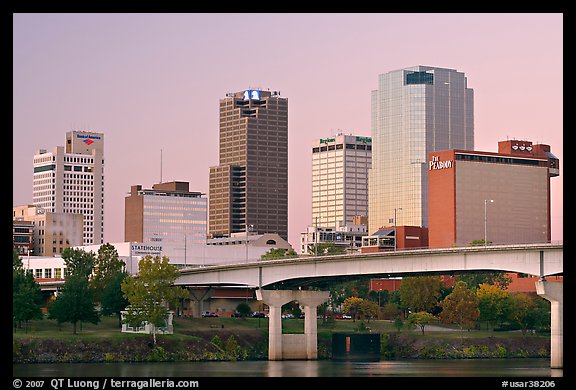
504, 368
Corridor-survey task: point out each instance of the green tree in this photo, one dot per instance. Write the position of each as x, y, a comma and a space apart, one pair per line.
151, 292
421, 319
111, 299
460, 307
79, 262
278, 253
421, 293
244, 309
479, 243
107, 267
74, 302
491, 303
391, 310
325, 248
26, 294
498, 279
523, 311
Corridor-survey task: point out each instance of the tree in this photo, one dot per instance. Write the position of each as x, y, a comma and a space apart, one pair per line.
460, 307
325, 248
351, 305
421, 319
79, 262
522, 311
26, 294
74, 302
106, 268
474, 280
369, 309
278, 253
390, 310
112, 300
479, 243
150, 293
243, 309
421, 293
491, 303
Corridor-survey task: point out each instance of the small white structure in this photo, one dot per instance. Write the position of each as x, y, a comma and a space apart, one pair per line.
147, 328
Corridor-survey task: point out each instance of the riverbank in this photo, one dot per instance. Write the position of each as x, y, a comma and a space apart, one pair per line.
231, 339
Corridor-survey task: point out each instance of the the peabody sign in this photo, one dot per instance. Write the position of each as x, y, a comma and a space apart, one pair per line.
436, 164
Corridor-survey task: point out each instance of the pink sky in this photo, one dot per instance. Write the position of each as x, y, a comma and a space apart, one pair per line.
152, 82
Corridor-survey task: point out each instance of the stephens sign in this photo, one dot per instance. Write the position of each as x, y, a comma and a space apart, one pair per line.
437, 164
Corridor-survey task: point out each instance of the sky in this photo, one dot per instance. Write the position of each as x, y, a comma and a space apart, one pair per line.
152, 84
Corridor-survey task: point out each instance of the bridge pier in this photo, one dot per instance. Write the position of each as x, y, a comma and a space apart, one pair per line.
553, 291
196, 300
292, 346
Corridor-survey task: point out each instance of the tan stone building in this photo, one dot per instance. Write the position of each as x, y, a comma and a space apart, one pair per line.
51, 232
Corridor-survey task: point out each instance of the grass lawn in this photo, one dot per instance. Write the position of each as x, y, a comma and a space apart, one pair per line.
186, 327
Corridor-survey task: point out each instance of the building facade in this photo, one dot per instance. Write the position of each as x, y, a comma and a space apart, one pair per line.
70, 180
415, 111
249, 188
347, 237
340, 166
499, 198
48, 233
167, 216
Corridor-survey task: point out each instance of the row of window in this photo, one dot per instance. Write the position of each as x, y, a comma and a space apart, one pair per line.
340, 147
47, 273
80, 160
497, 159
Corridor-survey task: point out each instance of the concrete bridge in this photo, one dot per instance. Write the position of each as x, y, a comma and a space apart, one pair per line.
279, 282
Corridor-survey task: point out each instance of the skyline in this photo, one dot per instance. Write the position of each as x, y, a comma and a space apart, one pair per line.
152, 84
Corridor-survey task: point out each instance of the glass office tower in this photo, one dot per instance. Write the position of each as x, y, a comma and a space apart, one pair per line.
415, 111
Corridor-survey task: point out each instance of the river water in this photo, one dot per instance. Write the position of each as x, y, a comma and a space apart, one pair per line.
505, 368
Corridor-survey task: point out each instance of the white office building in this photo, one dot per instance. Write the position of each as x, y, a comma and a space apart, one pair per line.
340, 167
70, 179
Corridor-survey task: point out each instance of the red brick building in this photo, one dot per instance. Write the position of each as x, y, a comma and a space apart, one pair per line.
503, 198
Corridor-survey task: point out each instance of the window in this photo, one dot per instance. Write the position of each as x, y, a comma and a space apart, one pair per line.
419, 78
38, 273
48, 272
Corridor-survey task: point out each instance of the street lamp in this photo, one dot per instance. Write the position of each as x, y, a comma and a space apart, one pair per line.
248, 228
486, 219
395, 235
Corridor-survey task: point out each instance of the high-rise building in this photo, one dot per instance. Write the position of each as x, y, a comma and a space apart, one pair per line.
167, 218
70, 179
415, 111
340, 167
499, 198
249, 188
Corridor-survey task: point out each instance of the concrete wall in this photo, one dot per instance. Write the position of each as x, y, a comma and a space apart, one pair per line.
293, 345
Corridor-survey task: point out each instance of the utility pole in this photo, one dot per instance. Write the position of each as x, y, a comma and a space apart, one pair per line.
395, 231
316, 236
486, 219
